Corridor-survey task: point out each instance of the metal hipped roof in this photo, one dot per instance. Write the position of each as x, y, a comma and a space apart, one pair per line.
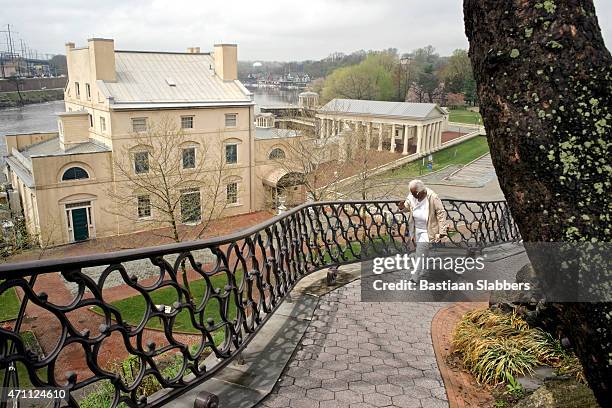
410, 110
170, 78
52, 147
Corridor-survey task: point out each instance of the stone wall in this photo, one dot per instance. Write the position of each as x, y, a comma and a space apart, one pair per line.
33, 84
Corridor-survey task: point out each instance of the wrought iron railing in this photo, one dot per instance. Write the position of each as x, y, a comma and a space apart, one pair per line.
223, 290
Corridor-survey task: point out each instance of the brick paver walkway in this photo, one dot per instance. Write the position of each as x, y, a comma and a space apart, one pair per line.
363, 354
222, 226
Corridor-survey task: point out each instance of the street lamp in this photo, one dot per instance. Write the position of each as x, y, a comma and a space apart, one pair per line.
404, 62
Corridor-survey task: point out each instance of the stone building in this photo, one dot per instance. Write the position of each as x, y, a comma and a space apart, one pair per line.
308, 100
63, 177
404, 127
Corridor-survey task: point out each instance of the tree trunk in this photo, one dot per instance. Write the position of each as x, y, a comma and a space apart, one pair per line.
17, 83
544, 81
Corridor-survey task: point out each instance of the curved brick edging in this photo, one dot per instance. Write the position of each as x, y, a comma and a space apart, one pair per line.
461, 389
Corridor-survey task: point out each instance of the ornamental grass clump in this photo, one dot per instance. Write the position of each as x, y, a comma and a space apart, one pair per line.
496, 347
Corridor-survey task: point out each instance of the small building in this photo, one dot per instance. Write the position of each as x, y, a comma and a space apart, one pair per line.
264, 120
64, 177
281, 173
308, 100
404, 127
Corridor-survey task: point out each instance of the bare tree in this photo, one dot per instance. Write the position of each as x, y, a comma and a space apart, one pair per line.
360, 164
164, 179
313, 155
18, 83
360, 159
15, 237
340, 165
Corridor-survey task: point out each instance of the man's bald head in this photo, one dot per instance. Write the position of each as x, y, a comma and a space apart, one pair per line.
416, 187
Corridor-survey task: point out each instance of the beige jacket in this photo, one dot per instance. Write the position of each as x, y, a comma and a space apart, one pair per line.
436, 221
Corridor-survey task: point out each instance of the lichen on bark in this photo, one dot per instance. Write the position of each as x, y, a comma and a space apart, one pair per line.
545, 93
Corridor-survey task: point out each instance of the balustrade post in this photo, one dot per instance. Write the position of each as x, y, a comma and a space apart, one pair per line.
206, 399
332, 275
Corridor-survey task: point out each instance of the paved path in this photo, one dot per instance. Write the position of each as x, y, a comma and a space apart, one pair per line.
477, 173
363, 354
478, 182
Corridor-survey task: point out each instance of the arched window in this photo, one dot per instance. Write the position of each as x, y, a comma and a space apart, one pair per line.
75, 173
277, 154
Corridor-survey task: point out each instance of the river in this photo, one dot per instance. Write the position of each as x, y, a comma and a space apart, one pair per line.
41, 117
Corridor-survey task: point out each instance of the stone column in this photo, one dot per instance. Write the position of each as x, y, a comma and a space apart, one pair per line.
323, 128
341, 150
430, 137
440, 127
434, 135
368, 135
405, 151
380, 136
392, 149
419, 148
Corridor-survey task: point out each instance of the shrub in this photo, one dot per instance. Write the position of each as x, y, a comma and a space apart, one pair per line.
495, 347
128, 369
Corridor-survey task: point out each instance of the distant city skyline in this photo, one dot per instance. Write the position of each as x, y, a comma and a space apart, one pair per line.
265, 30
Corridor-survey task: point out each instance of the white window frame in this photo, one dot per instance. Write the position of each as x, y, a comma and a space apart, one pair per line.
227, 194
187, 117
284, 156
88, 91
91, 225
195, 157
102, 124
77, 90
134, 160
228, 116
225, 153
188, 192
148, 196
145, 124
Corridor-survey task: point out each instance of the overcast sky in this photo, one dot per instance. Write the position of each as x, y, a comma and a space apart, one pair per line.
263, 29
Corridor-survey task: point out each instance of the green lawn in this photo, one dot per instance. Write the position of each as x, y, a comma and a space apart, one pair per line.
22, 373
462, 153
9, 305
465, 116
11, 99
132, 308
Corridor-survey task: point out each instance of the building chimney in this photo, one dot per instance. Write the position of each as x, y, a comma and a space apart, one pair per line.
226, 61
102, 58
193, 50
69, 47
73, 128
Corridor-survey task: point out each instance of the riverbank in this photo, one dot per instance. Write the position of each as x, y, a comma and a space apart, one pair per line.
12, 100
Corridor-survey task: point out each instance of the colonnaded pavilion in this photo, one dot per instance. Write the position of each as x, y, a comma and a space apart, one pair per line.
395, 126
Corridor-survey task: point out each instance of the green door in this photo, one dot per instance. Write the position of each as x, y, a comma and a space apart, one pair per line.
79, 224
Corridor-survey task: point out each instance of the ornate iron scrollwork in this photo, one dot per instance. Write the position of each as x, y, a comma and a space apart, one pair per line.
257, 268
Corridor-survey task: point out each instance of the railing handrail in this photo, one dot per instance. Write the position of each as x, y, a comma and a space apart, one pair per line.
257, 267
20, 269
